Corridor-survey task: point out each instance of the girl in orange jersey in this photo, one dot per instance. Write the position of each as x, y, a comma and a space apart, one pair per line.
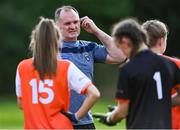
157, 34
43, 83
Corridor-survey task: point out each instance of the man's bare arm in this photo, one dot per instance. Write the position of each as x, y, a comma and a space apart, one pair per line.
115, 55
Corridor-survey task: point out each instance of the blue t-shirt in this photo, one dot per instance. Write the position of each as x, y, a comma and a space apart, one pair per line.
83, 54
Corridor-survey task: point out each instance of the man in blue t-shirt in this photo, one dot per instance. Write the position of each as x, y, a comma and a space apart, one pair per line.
84, 53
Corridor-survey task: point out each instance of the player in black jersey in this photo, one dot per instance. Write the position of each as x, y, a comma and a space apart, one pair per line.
144, 84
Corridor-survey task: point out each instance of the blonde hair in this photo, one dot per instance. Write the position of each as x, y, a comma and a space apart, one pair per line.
44, 46
155, 29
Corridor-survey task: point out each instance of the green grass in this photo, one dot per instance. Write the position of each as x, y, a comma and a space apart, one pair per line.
11, 116
101, 107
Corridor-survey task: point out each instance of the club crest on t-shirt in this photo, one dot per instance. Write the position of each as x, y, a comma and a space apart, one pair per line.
86, 55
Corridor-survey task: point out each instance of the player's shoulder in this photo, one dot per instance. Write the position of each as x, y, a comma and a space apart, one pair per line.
175, 60
128, 67
169, 63
132, 63
66, 65
158, 58
166, 59
140, 60
64, 62
25, 65
25, 62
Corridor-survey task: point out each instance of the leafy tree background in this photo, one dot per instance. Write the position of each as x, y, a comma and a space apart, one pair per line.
18, 18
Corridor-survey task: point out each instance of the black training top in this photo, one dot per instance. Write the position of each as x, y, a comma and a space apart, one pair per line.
146, 80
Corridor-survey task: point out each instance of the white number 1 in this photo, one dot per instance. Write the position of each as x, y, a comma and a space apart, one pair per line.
157, 78
41, 89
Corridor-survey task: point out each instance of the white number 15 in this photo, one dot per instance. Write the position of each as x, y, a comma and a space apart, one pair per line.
41, 89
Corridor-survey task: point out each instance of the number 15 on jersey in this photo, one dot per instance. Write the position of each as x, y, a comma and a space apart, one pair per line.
40, 88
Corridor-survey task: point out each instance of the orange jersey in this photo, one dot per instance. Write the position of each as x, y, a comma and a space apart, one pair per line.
42, 101
175, 60
176, 109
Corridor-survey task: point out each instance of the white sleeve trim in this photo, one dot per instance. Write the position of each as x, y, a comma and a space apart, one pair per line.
18, 84
77, 80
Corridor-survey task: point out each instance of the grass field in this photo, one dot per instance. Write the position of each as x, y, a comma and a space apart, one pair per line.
11, 117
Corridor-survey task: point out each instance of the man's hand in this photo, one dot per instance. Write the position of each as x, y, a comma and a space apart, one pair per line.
71, 116
104, 118
88, 24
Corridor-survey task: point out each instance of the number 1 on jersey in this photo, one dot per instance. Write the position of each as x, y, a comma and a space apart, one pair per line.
157, 78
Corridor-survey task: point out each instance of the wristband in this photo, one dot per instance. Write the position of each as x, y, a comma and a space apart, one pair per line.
124, 61
108, 119
75, 115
